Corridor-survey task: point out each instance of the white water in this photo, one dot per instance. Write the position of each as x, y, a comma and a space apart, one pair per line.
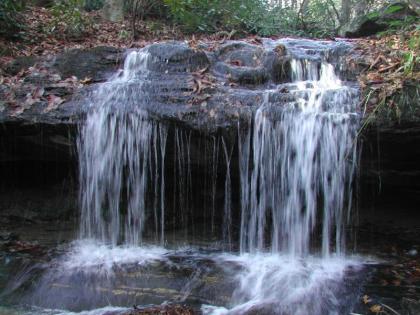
93, 257
303, 159
297, 166
280, 284
116, 160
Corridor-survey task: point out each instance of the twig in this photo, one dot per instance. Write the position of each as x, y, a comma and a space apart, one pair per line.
390, 308
368, 119
389, 67
376, 61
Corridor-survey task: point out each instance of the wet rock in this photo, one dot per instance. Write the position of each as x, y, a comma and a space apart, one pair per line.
168, 309
8, 237
10, 243
21, 63
98, 63
381, 20
206, 90
241, 63
412, 252
247, 64
265, 309
175, 57
410, 306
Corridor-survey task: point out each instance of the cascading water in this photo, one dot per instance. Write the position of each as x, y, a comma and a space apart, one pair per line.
303, 158
116, 158
296, 165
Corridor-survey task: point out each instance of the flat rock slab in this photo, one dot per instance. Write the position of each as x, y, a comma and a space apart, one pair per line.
176, 309
207, 88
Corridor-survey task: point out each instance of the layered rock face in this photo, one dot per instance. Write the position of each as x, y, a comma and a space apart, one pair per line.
202, 92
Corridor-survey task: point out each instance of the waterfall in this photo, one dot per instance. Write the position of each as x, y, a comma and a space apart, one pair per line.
143, 188
296, 165
303, 159
116, 160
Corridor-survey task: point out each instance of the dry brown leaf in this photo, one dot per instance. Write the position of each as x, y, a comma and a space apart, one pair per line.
376, 309
86, 80
53, 102
366, 299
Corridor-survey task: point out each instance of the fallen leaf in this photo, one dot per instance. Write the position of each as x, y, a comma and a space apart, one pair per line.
86, 80
53, 102
366, 299
376, 309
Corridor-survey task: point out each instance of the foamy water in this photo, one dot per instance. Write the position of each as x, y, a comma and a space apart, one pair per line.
94, 257
284, 284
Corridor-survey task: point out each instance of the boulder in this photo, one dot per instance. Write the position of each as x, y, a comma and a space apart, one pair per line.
97, 64
113, 10
391, 15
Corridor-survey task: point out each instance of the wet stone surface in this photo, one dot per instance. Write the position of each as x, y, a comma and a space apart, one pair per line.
203, 87
189, 279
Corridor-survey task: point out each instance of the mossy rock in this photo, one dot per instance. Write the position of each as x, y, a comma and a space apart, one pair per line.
390, 16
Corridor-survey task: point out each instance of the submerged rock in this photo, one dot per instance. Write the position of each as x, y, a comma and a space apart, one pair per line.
168, 309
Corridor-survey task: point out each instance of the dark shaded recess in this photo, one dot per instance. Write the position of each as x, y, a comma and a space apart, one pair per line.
398, 13
367, 28
194, 188
39, 172
38, 167
389, 186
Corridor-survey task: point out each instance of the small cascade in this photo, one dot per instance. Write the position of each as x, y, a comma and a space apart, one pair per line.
116, 160
298, 162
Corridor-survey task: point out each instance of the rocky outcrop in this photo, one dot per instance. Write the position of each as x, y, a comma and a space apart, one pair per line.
391, 15
201, 91
205, 89
390, 172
